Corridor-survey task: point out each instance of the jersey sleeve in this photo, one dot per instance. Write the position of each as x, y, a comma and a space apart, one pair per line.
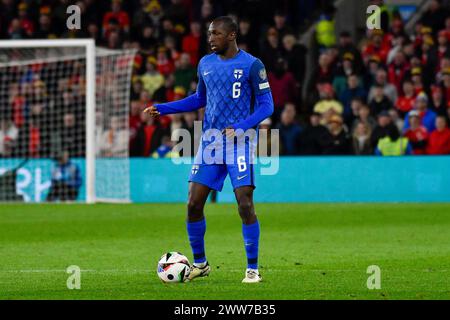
258, 78
263, 111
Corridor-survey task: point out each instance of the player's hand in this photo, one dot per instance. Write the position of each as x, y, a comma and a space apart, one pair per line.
228, 132
152, 111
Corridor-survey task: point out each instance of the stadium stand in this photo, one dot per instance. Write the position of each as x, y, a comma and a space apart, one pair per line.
358, 87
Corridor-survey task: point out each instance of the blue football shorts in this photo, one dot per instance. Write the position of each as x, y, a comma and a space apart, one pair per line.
239, 166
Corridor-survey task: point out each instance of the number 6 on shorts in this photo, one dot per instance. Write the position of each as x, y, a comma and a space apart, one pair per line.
242, 166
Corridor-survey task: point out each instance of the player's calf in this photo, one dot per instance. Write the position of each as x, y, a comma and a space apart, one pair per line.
246, 208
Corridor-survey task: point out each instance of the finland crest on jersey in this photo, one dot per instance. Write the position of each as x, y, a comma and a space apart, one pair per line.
238, 73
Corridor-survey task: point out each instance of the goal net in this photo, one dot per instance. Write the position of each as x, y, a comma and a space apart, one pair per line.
64, 107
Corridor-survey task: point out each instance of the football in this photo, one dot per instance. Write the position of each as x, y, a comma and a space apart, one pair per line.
173, 267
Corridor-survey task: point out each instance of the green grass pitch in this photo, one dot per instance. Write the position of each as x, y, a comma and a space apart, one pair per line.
307, 251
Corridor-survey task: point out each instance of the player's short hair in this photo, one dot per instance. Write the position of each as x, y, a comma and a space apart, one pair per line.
229, 24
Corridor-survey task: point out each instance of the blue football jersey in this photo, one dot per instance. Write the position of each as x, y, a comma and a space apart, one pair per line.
230, 86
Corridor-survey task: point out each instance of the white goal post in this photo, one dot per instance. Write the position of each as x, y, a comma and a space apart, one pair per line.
102, 77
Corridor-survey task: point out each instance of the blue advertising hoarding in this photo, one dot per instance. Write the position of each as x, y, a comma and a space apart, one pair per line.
299, 179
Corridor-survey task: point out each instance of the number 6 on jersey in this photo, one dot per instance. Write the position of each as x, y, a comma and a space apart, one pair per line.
236, 90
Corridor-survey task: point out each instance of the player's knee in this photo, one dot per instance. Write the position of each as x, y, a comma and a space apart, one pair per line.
195, 208
245, 206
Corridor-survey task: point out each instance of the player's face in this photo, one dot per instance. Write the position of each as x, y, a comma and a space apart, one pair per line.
218, 38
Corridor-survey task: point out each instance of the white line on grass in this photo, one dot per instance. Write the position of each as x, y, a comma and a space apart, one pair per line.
229, 270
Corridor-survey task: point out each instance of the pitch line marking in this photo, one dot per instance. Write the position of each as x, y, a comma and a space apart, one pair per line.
229, 270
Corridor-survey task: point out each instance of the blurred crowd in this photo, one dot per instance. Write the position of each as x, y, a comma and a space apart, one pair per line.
388, 94
42, 109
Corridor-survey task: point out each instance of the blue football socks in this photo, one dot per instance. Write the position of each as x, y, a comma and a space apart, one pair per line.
196, 231
251, 242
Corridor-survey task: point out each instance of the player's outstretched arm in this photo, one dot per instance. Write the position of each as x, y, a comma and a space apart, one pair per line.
191, 103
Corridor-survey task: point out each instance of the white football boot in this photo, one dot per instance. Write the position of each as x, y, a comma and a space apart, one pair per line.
252, 276
199, 272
